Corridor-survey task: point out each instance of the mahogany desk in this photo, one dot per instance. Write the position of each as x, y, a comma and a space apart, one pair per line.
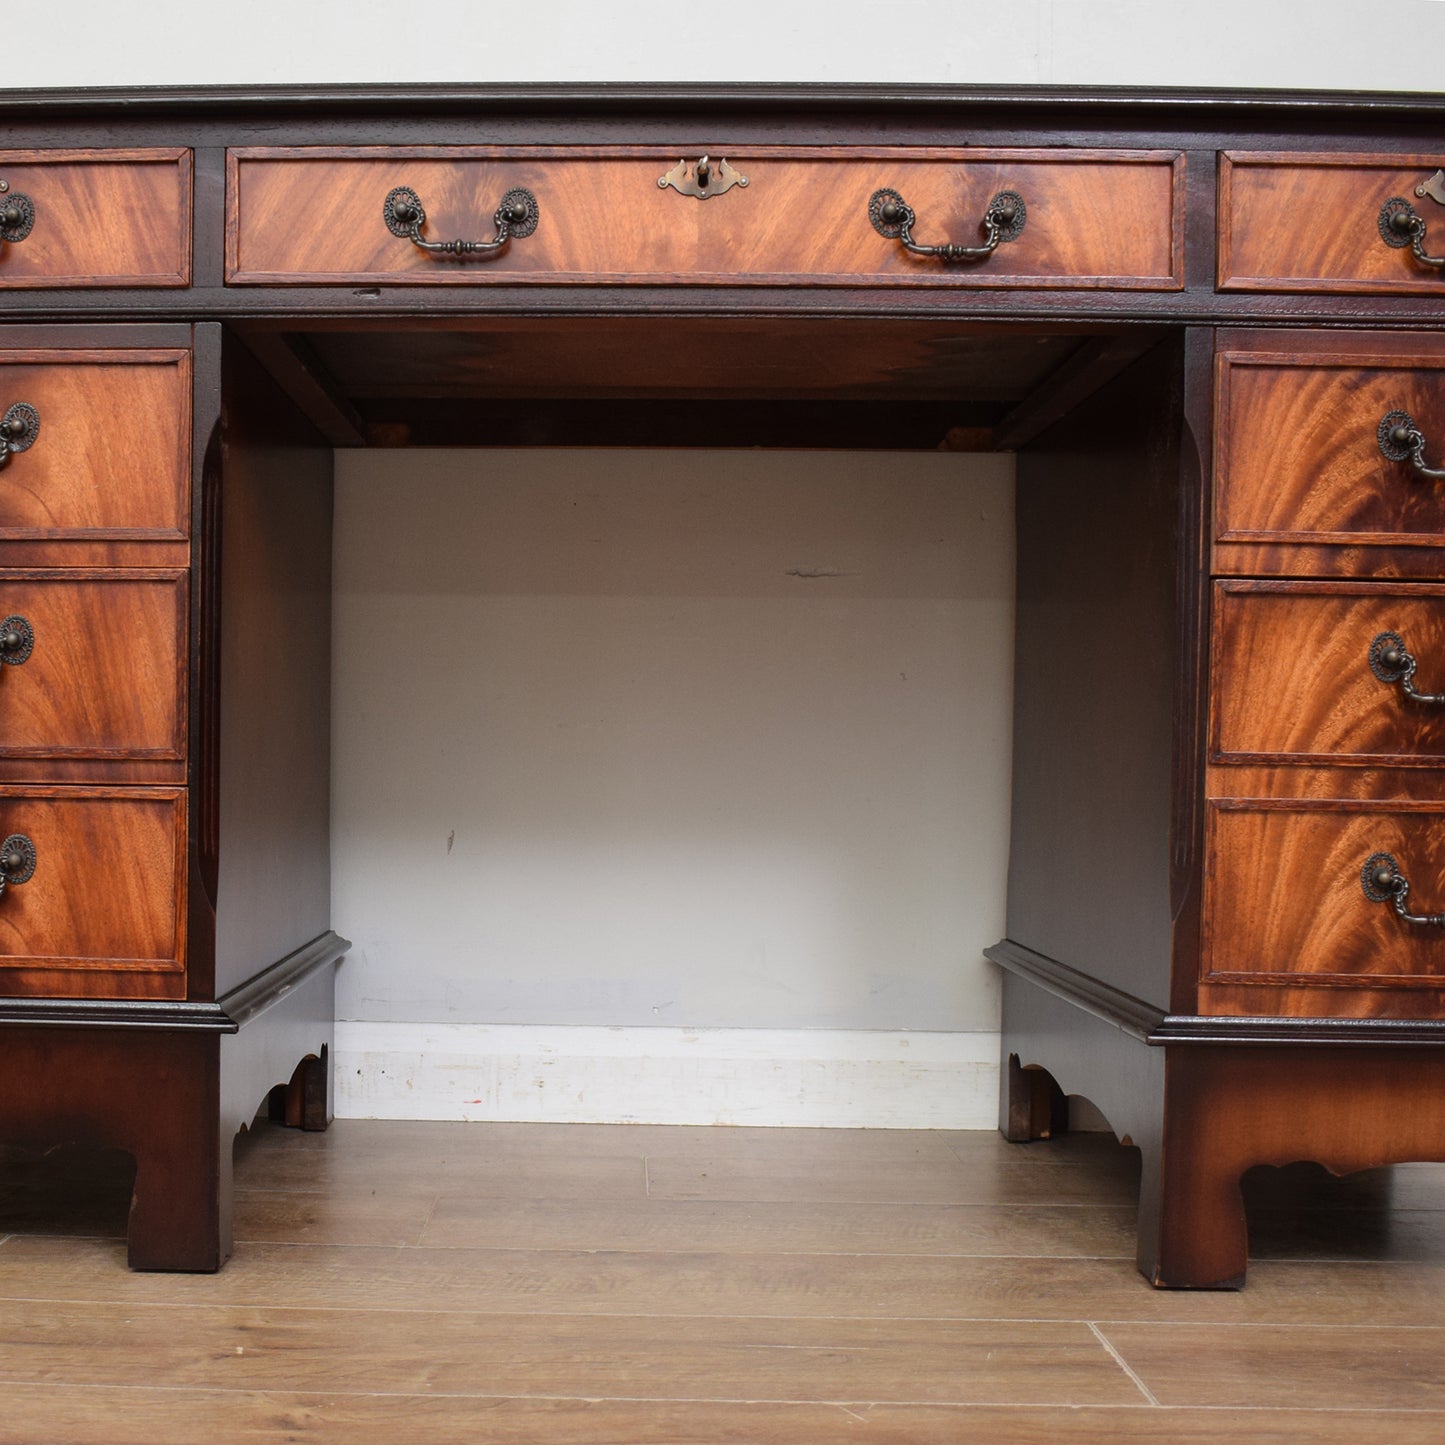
1208, 325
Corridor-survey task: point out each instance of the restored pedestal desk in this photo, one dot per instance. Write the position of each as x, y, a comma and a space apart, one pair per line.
1208, 324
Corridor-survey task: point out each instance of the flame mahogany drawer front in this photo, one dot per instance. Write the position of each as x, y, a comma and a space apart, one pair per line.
101, 912
1315, 453
1286, 900
1083, 218
95, 687
1331, 223
95, 218
1310, 673
103, 448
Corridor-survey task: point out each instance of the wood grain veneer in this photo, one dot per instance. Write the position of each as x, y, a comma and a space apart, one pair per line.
1095, 217
102, 218
111, 460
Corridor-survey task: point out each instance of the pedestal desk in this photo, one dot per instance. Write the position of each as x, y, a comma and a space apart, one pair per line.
1207, 324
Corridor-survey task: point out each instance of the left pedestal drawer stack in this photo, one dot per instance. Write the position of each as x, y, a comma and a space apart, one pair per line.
94, 588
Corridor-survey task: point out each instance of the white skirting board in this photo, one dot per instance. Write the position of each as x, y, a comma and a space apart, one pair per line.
828, 1078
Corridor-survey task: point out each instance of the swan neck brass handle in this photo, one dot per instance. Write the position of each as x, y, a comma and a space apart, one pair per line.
1402, 225
1383, 882
17, 641
1402, 441
17, 214
17, 861
1003, 221
18, 429
515, 218
1391, 661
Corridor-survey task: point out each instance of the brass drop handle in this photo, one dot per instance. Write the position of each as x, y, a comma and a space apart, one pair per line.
515, 218
18, 429
17, 641
1402, 441
1392, 661
17, 860
894, 218
17, 214
1402, 225
1383, 882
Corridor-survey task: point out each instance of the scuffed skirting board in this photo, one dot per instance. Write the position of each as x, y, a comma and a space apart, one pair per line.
828, 1078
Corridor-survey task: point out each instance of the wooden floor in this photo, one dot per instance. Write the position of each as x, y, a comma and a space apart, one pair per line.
575, 1285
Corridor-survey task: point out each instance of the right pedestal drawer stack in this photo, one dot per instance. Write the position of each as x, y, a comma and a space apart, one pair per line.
1325, 854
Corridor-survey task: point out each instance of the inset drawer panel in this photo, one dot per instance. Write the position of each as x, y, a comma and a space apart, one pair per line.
99, 671
1285, 901
98, 218
1090, 218
1298, 456
1302, 222
106, 890
109, 456
1294, 679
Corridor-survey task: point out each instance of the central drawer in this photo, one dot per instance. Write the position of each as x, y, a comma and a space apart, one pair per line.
1088, 218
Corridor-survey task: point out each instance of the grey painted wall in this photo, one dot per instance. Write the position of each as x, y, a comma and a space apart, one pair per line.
692, 738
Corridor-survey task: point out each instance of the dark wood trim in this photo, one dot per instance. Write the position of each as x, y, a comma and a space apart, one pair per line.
629, 97
112, 1013
270, 986
1104, 1001
1097, 361
296, 368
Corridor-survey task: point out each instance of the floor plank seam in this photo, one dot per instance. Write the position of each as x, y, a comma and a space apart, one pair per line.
849, 1405
1123, 1364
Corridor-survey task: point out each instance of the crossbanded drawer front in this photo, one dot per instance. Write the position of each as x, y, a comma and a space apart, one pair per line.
96, 218
1285, 899
1305, 673
92, 671
105, 894
1319, 222
105, 449
1087, 218
1299, 456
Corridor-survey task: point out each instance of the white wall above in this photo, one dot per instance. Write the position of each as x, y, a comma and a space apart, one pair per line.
1332, 44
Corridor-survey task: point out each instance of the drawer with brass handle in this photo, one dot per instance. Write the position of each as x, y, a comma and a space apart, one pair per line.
95, 444
1330, 454
92, 675
1328, 673
1305, 893
93, 894
1355, 224
95, 218
437, 215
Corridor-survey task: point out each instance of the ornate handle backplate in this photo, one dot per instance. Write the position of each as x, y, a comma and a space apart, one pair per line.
17, 640
1402, 225
17, 860
1402, 441
515, 218
18, 429
1004, 219
1392, 661
17, 214
1383, 882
